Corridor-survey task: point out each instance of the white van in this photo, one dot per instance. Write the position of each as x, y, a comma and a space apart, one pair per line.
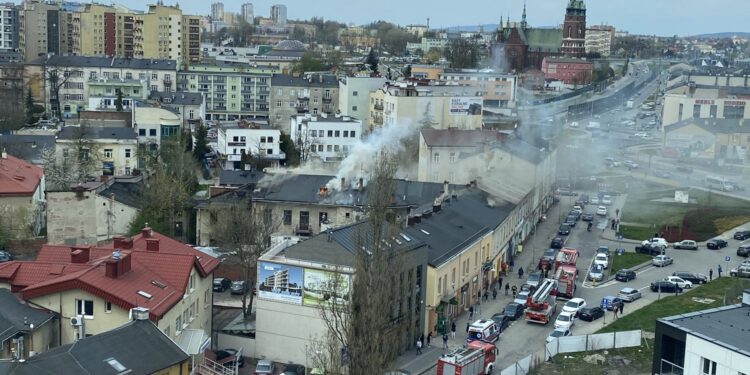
484, 330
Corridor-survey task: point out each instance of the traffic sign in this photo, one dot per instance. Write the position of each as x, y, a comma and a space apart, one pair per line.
727, 258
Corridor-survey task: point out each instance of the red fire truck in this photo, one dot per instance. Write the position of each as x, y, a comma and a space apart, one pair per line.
477, 358
566, 256
540, 306
566, 272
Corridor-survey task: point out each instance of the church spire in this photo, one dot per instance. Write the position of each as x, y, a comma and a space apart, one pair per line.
500, 27
523, 17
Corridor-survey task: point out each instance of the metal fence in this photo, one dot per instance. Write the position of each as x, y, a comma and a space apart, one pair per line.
572, 344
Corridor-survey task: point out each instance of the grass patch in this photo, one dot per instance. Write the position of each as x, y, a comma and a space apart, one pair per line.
628, 260
573, 364
636, 232
724, 224
645, 318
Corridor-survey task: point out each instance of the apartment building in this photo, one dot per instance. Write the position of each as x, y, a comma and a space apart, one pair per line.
82, 76
600, 39
154, 124
247, 139
40, 29
325, 138
354, 96
22, 199
9, 13
310, 93
164, 32
113, 149
278, 14
497, 89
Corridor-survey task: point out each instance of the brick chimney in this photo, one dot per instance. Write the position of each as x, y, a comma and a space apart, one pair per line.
110, 269
121, 242
80, 254
123, 265
152, 244
146, 232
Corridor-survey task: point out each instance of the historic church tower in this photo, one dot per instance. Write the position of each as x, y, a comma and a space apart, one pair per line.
574, 29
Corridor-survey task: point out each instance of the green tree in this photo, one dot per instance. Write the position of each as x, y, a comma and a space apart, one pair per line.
462, 53
334, 60
118, 101
288, 147
298, 33
310, 62
30, 115
372, 61
394, 41
433, 55
407, 71
200, 148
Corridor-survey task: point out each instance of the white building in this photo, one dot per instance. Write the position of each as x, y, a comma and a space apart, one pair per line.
8, 27
246, 11
154, 124
242, 138
711, 342
426, 44
217, 11
497, 89
327, 138
354, 96
600, 39
278, 14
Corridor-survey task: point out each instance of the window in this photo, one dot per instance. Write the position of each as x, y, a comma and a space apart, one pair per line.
152, 132
178, 324
329, 148
128, 75
142, 132
734, 111
452, 157
330, 133
696, 110
108, 153
270, 139
436, 158
92, 75
714, 110
351, 133
679, 112
154, 76
287, 217
107, 307
192, 282
262, 139
354, 93
278, 104
192, 310
313, 133
354, 108
337, 133
127, 153
205, 299
85, 307
115, 75
346, 133
709, 367
185, 317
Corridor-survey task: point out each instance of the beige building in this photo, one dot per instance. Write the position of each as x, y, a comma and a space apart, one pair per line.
600, 39
717, 100
497, 89
310, 93
25, 330
439, 107
22, 200
112, 150
40, 29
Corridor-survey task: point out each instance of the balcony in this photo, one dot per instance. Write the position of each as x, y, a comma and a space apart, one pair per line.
303, 229
237, 144
378, 107
305, 96
301, 109
377, 120
327, 99
167, 80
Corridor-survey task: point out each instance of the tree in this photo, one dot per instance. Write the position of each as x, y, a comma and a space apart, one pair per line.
334, 60
245, 229
11, 98
118, 100
433, 55
366, 326
407, 71
394, 40
462, 53
80, 160
372, 61
30, 114
200, 148
298, 33
287, 147
309, 62
57, 78
306, 146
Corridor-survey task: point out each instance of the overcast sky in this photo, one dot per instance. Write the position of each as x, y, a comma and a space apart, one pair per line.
660, 17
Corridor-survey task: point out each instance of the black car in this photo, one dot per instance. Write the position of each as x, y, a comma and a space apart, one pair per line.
238, 287
584, 198
587, 217
223, 357
514, 310
580, 202
571, 220
716, 244
743, 251
557, 242
625, 275
221, 284
693, 277
564, 229
292, 369
664, 286
5, 257
650, 249
590, 314
502, 321
575, 214
602, 249
742, 235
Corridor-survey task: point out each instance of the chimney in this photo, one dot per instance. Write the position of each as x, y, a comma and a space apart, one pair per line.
121, 242
152, 244
140, 313
361, 184
343, 183
146, 232
80, 254
123, 265
110, 269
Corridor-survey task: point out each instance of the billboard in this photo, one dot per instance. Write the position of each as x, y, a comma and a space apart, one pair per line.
464, 106
325, 287
279, 282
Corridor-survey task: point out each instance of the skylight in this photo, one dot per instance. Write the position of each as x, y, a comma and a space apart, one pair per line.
425, 232
115, 365
405, 237
145, 294
159, 284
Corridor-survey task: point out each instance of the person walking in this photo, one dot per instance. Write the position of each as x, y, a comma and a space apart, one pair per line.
514, 289
507, 286
467, 327
429, 338
520, 272
494, 293
710, 274
453, 329
622, 307
512, 263
718, 269
445, 338
486, 296
500, 283
419, 346
615, 311
471, 312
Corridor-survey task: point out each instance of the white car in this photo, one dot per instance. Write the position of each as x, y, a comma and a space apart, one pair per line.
565, 320
574, 305
574, 124
577, 209
656, 241
596, 273
679, 282
522, 297
601, 210
560, 332
607, 200
594, 200
631, 164
640, 135
601, 259
629, 294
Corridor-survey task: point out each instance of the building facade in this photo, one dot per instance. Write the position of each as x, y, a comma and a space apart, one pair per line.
497, 89
22, 199
110, 150
247, 13
600, 39
354, 96
242, 140
311, 93
155, 124
278, 14
568, 70
9, 13
40, 29
705, 102
325, 138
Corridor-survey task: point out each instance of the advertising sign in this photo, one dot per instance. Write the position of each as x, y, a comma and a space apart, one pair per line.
464, 106
325, 287
279, 282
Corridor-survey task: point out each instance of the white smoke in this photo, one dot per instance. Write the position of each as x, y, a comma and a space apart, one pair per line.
364, 154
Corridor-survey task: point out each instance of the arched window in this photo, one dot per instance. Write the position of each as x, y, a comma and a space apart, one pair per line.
580, 32
570, 31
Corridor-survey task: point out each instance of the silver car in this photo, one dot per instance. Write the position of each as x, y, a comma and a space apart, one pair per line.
662, 260
629, 294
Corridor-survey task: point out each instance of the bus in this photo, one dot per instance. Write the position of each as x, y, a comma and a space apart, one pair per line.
719, 183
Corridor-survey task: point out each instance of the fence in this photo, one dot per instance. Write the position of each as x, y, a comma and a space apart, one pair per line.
572, 344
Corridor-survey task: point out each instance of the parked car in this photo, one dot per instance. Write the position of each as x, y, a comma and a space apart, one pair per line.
741, 235
514, 310
502, 321
223, 355
684, 169
650, 249
566, 192
716, 243
602, 249
221, 284
686, 245
743, 251
610, 303
564, 230
584, 198
590, 314
596, 273
238, 287
522, 297
587, 217
684, 284
601, 211
557, 243
664, 286
629, 294
292, 369
606, 200
743, 270
577, 209
5, 257
656, 241
662, 260
557, 333
534, 278
565, 320
571, 220
594, 200
602, 259
631, 164
574, 305
625, 275
693, 277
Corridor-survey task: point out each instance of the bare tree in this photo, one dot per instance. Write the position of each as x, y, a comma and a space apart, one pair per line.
306, 145
80, 160
11, 97
244, 229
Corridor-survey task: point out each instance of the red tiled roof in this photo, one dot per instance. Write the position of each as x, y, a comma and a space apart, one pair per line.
18, 177
168, 245
21, 274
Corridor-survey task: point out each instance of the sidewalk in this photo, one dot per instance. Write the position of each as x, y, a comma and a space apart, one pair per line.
545, 231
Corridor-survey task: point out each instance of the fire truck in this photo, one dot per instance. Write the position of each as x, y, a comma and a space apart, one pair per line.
477, 358
566, 256
566, 272
540, 306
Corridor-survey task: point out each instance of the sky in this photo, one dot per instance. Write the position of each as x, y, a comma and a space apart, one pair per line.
658, 17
